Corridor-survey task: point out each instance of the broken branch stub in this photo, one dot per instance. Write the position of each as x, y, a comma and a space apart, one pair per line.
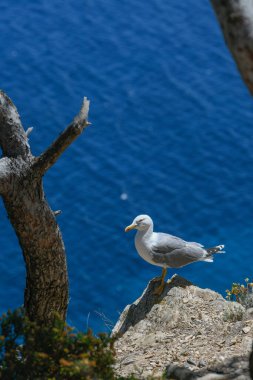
51, 155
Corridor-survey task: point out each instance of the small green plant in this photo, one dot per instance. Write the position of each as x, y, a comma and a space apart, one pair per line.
241, 293
30, 351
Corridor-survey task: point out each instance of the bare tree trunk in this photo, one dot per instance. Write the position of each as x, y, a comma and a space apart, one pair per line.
34, 222
236, 21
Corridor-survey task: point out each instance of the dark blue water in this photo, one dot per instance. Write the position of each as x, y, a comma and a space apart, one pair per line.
171, 136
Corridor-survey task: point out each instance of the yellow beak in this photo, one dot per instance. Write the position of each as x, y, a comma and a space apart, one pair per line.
131, 227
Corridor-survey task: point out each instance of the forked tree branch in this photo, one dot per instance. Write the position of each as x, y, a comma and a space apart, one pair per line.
33, 220
236, 21
51, 154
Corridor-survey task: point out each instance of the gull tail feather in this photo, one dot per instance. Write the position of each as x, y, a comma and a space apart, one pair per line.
213, 250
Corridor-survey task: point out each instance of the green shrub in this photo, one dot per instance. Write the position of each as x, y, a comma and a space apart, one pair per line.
29, 351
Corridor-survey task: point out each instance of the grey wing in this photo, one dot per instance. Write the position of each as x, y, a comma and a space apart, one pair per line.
167, 243
175, 252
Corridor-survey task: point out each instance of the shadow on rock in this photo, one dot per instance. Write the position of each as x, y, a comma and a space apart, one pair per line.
138, 310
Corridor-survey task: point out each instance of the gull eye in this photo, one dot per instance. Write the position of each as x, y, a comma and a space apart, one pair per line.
140, 220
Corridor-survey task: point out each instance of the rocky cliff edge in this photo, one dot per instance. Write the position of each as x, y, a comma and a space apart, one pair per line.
188, 332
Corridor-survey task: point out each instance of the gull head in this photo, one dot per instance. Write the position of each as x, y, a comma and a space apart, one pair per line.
141, 223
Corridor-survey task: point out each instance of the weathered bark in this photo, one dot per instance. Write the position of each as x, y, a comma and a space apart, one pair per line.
236, 21
34, 222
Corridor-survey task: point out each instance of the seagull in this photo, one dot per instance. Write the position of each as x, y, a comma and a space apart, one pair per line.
167, 251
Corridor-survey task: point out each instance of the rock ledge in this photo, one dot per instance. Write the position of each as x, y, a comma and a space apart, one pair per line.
193, 332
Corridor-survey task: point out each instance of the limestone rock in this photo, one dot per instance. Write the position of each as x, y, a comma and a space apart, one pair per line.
138, 310
186, 327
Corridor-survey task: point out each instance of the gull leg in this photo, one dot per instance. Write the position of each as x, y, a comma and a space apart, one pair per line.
160, 288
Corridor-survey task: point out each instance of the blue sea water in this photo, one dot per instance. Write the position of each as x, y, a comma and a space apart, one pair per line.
171, 136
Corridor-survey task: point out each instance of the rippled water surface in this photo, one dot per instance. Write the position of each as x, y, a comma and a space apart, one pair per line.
171, 136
